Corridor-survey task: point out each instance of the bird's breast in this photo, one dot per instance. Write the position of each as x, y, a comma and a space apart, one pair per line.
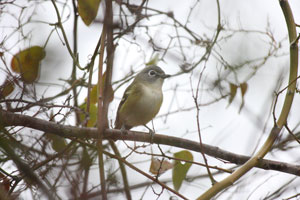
151, 97
146, 107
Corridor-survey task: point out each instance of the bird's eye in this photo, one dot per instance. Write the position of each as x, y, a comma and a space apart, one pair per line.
152, 73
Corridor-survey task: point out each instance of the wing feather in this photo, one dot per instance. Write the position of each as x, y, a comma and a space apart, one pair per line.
131, 89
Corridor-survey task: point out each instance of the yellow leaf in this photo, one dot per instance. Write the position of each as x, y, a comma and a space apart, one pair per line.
27, 63
159, 167
93, 94
87, 10
180, 168
6, 88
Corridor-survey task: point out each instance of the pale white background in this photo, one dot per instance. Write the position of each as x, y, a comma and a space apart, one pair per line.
220, 126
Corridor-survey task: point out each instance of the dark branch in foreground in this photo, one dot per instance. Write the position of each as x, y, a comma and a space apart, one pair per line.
11, 119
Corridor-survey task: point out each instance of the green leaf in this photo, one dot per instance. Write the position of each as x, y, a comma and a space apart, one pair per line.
6, 88
181, 168
27, 63
87, 10
233, 89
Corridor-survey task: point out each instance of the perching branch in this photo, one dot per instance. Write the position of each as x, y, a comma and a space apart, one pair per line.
8, 119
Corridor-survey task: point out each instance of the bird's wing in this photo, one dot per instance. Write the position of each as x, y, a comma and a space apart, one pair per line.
132, 88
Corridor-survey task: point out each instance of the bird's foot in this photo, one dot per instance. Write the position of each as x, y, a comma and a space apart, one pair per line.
123, 130
151, 132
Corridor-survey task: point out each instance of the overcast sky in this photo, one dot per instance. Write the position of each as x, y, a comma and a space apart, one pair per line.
221, 126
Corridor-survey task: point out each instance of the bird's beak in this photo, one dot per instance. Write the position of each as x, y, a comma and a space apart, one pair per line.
163, 76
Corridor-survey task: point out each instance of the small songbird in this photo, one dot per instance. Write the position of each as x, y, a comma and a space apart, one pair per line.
141, 100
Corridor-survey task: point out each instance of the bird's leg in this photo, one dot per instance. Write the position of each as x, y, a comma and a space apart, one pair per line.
151, 132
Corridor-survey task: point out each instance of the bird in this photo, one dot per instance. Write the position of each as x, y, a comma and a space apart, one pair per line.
141, 100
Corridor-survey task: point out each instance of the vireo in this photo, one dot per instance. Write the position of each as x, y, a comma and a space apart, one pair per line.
141, 100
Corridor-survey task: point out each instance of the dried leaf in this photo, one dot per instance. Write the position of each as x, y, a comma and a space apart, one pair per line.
159, 167
233, 89
244, 87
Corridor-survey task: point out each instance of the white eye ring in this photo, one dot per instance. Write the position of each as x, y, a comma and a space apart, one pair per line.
152, 73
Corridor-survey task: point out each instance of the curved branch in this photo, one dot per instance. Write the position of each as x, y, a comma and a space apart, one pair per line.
11, 119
